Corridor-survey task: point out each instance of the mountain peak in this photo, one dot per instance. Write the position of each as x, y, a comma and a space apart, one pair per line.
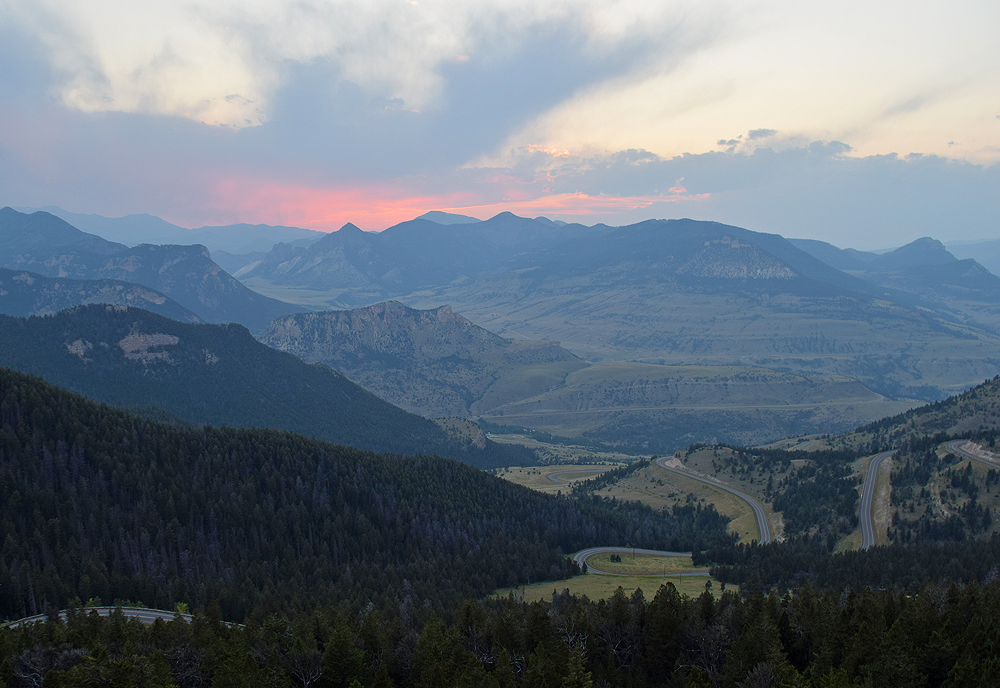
443, 218
923, 251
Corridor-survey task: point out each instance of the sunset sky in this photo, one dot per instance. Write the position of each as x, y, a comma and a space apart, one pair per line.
863, 124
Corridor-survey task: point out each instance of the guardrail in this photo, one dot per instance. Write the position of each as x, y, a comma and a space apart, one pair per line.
146, 616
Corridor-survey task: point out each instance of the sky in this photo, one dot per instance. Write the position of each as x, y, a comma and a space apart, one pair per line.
863, 124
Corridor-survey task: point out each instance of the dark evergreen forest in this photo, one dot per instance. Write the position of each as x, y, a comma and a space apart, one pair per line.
98, 503
940, 636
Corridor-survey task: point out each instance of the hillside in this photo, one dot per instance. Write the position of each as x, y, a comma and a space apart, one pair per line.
45, 244
691, 293
220, 375
432, 362
436, 363
27, 293
964, 290
96, 502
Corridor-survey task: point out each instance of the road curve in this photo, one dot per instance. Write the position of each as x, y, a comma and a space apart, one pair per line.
146, 616
956, 446
758, 510
554, 476
581, 557
867, 495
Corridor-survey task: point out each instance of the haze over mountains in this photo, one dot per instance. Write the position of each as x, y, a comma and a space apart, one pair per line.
28, 293
47, 245
700, 331
133, 230
672, 292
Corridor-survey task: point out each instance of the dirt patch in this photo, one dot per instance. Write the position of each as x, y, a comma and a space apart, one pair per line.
882, 503
137, 347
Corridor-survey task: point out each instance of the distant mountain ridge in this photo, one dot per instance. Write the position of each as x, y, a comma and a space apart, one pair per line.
26, 293
219, 375
371, 267
45, 244
132, 230
964, 289
680, 292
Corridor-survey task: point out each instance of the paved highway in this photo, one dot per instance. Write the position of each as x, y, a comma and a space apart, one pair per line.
867, 495
956, 446
146, 616
554, 477
758, 510
581, 557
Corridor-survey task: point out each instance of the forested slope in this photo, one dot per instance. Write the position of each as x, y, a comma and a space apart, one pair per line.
95, 502
221, 375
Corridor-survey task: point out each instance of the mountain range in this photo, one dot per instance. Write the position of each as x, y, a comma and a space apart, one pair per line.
220, 375
962, 289
679, 292
669, 309
133, 230
44, 244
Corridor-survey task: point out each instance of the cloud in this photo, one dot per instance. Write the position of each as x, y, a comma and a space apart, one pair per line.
761, 134
811, 191
225, 62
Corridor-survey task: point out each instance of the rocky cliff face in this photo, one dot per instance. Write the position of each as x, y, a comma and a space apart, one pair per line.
434, 361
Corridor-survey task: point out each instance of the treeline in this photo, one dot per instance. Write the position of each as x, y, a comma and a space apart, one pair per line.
591, 485
818, 496
98, 503
940, 636
807, 560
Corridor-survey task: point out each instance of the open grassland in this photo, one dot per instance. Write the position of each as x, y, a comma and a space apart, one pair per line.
300, 296
882, 503
537, 477
661, 428
598, 587
641, 385
640, 564
661, 489
564, 453
691, 403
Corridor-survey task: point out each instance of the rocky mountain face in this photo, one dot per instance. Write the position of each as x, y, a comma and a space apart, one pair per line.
220, 375
47, 245
26, 293
433, 362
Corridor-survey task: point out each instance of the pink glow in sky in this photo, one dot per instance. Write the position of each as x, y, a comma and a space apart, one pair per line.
319, 113
378, 207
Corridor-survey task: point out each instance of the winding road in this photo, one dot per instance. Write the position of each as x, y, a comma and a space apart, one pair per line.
956, 446
758, 510
146, 616
554, 477
867, 495
581, 557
